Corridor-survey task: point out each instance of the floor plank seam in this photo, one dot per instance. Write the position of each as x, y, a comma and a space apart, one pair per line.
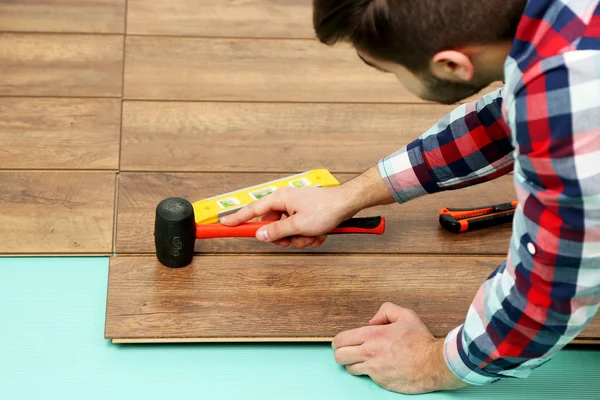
245, 172
88, 170
125, 16
59, 254
115, 215
123, 66
77, 33
322, 255
122, 107
28, 96
175, 171
242, 101
247, 38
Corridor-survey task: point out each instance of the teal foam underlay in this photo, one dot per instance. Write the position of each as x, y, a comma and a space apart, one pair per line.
52, 347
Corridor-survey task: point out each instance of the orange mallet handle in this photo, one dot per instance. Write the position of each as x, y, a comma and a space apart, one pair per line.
367, 225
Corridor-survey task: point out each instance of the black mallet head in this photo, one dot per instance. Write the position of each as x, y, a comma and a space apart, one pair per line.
175, 232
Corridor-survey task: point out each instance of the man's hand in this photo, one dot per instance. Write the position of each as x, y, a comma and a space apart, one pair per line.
311, 212
397, 352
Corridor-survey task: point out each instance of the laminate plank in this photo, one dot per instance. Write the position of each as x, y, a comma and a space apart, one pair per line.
245, 298
221, 18
56, 212
411, 227
61, 65
252, 137
93, 16
170, 68
47, 133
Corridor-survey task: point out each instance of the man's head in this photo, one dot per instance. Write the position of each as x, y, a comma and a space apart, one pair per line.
441, 50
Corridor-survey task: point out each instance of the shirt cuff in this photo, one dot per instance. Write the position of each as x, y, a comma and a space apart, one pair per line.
458, 362
398, 173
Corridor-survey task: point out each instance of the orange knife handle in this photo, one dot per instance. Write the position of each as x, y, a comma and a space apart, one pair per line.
468, 219
368, 225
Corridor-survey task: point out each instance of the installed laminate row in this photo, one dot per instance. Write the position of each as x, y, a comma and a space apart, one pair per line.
287, 298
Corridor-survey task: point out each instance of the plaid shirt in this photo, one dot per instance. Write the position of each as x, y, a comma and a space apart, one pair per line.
544, 125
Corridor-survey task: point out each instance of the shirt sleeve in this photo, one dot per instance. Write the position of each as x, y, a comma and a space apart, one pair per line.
470, 145
548, 289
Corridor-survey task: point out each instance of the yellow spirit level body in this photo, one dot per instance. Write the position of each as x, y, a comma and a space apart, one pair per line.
210, 210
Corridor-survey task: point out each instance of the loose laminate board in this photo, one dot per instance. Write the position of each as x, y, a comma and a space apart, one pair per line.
170, 68
52, 212
252, 137
411, 227
46, 133
61, 65
221, 18
97, 16
287, 298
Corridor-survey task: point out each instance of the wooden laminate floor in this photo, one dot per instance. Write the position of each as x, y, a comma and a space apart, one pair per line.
107, 107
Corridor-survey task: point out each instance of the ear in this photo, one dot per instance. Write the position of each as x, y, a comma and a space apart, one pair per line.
453, 65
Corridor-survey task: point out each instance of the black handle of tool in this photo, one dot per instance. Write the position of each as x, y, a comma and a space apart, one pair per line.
492, 220
449, 223
372, 225
494, 208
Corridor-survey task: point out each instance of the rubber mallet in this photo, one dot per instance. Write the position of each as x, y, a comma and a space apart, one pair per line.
176, 231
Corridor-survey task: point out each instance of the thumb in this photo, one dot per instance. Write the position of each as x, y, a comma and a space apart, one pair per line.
278, 230
388, 313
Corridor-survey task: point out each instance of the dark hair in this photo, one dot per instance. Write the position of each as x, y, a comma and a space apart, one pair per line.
411, 32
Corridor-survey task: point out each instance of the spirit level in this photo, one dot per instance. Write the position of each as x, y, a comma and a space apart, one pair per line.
212, 209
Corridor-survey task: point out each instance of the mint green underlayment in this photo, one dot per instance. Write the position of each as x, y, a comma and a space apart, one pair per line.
52, 347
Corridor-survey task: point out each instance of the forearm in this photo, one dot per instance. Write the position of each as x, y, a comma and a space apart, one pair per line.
366, 190
440, 372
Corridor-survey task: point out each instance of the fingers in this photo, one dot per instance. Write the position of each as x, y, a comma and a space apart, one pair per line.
283, 242
319, 240
308, 241
389, 313
297, 241
284, 232
272, 202
302, 241
349, 355
353, 337
276, 216
278, 230
272, 216
357, 369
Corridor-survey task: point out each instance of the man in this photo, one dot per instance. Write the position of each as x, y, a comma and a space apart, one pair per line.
544, 125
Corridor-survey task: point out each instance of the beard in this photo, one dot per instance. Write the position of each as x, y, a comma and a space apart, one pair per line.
446, 92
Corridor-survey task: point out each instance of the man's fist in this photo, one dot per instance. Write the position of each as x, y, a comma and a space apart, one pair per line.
397, 352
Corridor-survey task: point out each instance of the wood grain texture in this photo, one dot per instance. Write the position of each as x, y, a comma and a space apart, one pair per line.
50, 133
61, 65
221, 18
411, 228
170, 68
93, 16
254, 137
253, 298
284, 296
56, 212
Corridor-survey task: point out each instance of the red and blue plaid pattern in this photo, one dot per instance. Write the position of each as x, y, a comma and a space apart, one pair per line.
545, 126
